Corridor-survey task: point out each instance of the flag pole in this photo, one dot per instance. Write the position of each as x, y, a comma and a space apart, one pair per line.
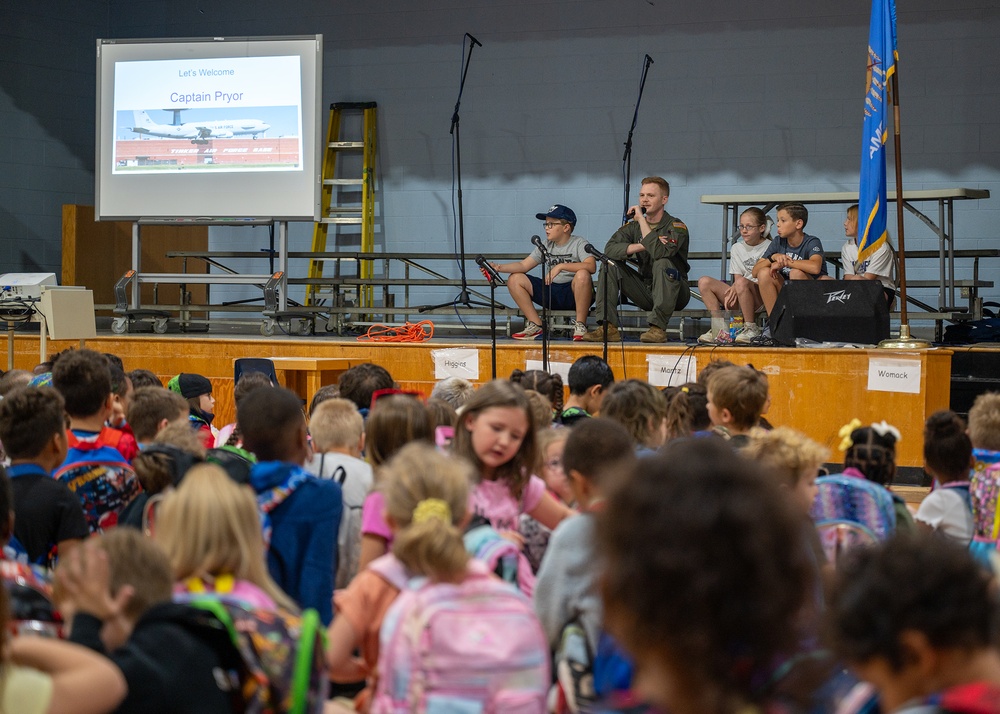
905, 341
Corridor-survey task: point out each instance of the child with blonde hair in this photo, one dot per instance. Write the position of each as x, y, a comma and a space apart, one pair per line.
792, 458
417, 475
210, 531
338, 433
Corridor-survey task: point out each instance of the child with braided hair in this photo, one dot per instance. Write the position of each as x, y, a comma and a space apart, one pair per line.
870, 453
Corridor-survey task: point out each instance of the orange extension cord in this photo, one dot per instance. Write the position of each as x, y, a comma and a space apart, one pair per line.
407, 332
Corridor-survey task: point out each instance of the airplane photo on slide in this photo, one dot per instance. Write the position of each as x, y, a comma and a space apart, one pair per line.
198, 131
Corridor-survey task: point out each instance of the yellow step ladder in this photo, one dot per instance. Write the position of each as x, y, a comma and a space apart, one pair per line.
338, 213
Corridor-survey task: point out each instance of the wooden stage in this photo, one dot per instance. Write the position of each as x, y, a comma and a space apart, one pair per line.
814, 390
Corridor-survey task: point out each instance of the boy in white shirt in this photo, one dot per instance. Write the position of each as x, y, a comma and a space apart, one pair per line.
338, 437
743, 292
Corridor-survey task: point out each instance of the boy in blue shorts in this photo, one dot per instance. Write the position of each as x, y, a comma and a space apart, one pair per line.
793, 255
568, 283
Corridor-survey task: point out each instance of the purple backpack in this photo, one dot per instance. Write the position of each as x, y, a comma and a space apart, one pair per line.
471, 647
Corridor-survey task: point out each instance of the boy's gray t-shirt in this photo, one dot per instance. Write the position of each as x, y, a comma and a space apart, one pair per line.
572, 252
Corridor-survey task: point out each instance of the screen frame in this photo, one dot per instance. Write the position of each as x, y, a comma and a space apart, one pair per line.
222, 197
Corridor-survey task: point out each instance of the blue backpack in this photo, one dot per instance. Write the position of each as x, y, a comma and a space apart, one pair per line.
850, 512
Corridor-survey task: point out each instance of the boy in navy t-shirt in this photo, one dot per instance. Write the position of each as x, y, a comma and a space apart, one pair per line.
793, 255
48, 516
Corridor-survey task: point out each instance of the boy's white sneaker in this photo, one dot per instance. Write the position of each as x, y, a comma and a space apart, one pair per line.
748, 334
708, 338
579, 330
530, 332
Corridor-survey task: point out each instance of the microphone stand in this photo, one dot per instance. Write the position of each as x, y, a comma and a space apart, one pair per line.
627, 157
463, 295
608, 265
546, 297
494, 277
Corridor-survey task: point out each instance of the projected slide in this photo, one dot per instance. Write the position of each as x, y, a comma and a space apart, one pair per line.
238, 114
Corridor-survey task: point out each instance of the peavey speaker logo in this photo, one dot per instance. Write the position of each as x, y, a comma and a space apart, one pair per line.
840, 296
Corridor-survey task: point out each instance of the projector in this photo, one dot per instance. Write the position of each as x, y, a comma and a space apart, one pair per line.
24, 286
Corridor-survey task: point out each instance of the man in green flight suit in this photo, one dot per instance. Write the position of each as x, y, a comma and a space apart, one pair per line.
658, 243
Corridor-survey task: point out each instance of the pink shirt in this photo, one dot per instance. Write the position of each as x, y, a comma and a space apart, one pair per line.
493, 501
372, 522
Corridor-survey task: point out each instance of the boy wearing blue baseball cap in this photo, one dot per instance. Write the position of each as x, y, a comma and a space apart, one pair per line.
569, 270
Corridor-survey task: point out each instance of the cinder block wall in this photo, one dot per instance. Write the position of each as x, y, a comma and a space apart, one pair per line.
741, 98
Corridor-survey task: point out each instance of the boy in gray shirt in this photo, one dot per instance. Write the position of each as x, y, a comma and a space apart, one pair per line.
568, 283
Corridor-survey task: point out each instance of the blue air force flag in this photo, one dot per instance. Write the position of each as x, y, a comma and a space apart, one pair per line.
882, 59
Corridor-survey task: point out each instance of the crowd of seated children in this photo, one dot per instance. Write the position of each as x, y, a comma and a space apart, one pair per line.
588, 379
947, 509
793, 255
48, 517
742, 294
300, 513
393, 422
197, 390
916, 618
338, 439
691, 512
642, 409
737, 397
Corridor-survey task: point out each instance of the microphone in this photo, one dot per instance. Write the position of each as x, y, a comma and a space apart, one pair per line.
537, 242
649, 59
596, 253
488, 271
631, 214
477, 42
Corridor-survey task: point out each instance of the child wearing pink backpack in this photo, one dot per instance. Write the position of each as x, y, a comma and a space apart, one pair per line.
434, 628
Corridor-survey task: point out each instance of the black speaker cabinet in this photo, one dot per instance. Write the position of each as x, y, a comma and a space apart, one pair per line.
831, 311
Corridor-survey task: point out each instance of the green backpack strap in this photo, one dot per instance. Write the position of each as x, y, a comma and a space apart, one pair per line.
216, 608
305, 657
